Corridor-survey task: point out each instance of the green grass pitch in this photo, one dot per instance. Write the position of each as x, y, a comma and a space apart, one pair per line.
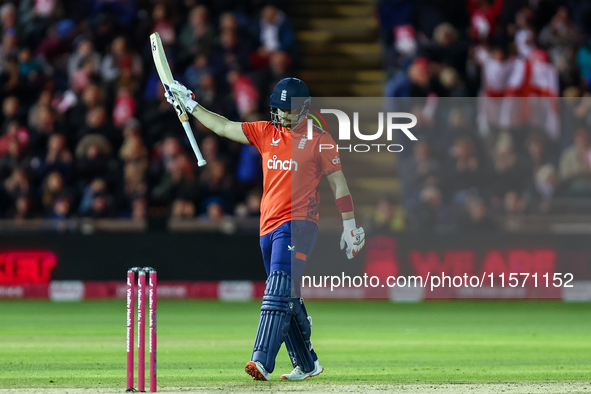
201, 344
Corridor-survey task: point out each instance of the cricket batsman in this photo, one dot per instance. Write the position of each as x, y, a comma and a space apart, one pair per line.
292, 168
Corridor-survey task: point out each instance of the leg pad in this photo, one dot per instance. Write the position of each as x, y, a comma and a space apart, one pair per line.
297, 341
274, 320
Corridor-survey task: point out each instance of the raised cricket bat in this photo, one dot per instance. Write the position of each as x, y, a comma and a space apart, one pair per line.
166, 77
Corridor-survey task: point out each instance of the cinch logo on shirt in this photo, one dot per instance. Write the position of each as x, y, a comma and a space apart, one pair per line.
285, 165
336, 160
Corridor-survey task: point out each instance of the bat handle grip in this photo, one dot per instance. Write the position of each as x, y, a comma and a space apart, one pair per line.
187, 126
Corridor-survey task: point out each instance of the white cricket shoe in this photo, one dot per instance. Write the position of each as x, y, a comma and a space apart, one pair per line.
257, 371
298, 374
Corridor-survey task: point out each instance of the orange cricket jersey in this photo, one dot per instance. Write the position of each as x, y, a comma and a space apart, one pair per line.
292, 169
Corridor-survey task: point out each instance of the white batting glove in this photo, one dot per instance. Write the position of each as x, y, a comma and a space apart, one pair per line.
185, 96
175, 104
353, 238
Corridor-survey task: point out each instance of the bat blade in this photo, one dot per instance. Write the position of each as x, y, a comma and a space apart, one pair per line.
160, 61
163, 69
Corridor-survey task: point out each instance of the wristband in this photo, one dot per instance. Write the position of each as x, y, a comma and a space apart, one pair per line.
190, 105
345, 204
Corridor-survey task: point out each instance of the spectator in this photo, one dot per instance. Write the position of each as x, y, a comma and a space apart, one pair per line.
561, 38
120, 58
228, 21
196, 70
7, 49
22, 209
210, 148
14, 84
392, 15
162, 24
451, 83
97, 186
134, 155
182, 209
538, 153
266, 79
208, 94
58, 158
17, 184
14, 132
29, 68
477, 218
574, 160
171, 149
523, 21
93, 159
8, 16
244, 92
216, 182
61, 210
427, 215
447, 50
139, 209
197, 36
273, 32
134, 189
413, 82
251, 208
214, 211
249, 172
483, 17
97, 123
133, 150
179, 182
232, 52
509, 171
42, 129
388, 216
157, 116
44, 101
539, 195
15, 157
101, 206
82, 77
85, 57
92, 98
10, 110
467, 172
419, 171
584, 61
513, 203
124, 107
53, 187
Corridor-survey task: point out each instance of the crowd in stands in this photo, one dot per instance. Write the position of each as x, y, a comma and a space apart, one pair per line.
475, 165
86, 130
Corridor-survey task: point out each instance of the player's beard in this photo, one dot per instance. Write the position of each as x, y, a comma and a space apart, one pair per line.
288, 119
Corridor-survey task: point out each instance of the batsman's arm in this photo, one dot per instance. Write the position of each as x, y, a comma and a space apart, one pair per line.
220, 125
216, 123
353, 238
340, 189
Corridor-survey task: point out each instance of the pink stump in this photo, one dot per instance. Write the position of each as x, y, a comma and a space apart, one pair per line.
141, 331
152, 299
130, 309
